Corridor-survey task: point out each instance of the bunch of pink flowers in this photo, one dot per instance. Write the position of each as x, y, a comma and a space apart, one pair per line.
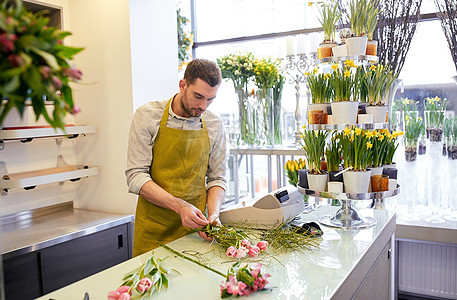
125, 292
245, 282
245, 248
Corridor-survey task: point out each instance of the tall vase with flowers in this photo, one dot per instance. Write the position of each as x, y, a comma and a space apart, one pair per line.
414, 127
321, 93
313, 142
356, 149
266, 73
35, 66
329, 14
434, 109
277, 108
344, 108
239, 68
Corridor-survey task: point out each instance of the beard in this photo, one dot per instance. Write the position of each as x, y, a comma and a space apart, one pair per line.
191, 112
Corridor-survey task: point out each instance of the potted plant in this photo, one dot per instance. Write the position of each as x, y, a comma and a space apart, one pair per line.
409, 108
414, 127
434, 109
329, 14
372, 21
378, 151
452, 152
292, 168
321, 93
333, 157
357, 43
313, 142
356, 149
344, 108
378, 81
35, 67
389, 166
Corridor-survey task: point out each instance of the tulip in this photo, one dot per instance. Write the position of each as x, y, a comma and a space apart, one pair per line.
231, 251
124, 296
254, 251
245, 243
241, 252
144, 284
124, 289
76, 109
113, 295
56, 82
263, 245
73, 73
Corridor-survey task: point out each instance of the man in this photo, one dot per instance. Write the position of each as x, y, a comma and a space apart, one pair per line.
174, 145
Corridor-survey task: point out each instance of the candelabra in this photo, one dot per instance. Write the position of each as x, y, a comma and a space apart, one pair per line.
296, 67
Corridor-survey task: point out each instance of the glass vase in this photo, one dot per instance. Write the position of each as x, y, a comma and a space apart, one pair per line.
434, 124
277, 125
265, 118
245, 121
435, 178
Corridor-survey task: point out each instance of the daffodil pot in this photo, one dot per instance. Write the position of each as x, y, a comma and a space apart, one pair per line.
452, 153
356, 181
317, 182
372, 47
317, 112
390, 170
325, 49
339, 51
410, 154
365, 118
379, 183
303, 178
345, 112
356, 45
332, 177
435, 134
422, 148
375, 171
379, 113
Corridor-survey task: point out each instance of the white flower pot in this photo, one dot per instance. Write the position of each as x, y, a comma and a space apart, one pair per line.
379, 113
318, 106
345, 112
340, 50
356, 181
365, 118
356, 45
330, 119
317, 182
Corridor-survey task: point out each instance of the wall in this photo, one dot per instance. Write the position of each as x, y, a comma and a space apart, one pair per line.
114, 84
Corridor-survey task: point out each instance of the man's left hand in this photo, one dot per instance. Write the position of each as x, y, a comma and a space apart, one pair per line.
212, 221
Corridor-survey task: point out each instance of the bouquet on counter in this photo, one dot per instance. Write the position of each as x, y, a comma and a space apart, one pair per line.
292, 167
35, 66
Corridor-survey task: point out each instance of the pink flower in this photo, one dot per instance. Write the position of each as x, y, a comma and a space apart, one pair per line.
144, 285
255, 272
76, 110
254, 251
231, 251
124, 296
45, 71
124, 289
7, 42
56, 82
15, 60
245, 243
263, 245
73, 73
241, 252
113, 295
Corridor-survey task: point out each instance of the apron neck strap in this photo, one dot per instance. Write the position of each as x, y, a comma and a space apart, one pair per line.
163, 122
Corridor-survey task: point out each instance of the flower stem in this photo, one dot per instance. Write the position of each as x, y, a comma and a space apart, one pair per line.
192, 260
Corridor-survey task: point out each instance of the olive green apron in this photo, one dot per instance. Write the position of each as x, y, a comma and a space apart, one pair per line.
179, 166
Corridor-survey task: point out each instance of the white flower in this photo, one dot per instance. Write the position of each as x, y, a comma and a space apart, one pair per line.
237, 72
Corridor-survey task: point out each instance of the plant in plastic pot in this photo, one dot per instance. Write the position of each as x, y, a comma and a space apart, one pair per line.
434, 109
313, 142
329, 14
356, 150
414, 127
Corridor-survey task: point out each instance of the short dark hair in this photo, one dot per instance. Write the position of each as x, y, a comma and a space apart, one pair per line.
204, 69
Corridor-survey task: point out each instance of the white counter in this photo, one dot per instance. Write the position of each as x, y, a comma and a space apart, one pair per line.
335, 270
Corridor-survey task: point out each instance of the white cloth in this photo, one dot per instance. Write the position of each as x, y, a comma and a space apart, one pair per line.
143, 132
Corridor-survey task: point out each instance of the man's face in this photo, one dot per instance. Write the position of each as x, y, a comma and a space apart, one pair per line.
196, 97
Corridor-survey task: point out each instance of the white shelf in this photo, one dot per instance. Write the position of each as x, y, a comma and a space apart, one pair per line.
331, 59
369, 126
349, 196
29, 180
26, 134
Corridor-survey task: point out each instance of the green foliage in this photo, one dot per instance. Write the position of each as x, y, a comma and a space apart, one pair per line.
329, 14
372, 17
333, 153
356, 148
414, 127
319, 87
313, 142
225, 236
342, 82
378, 80
35, 66
185, 39
292, 167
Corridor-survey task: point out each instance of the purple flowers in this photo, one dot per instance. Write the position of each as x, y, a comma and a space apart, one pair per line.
244, 281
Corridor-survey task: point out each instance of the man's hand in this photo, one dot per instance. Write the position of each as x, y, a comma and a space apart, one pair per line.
213, 220
192, 217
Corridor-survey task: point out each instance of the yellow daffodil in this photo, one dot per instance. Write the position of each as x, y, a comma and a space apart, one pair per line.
310, 3
350, 63
373, 68
381, 137
369, 145
420, 119
405, 101
358, 131
352, 138
334, 66
307, 74
347, 74
369, 134
407, 119
347, 131
316, 70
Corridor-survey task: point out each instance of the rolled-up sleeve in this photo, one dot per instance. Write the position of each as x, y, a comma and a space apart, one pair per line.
217, 164
139, 153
